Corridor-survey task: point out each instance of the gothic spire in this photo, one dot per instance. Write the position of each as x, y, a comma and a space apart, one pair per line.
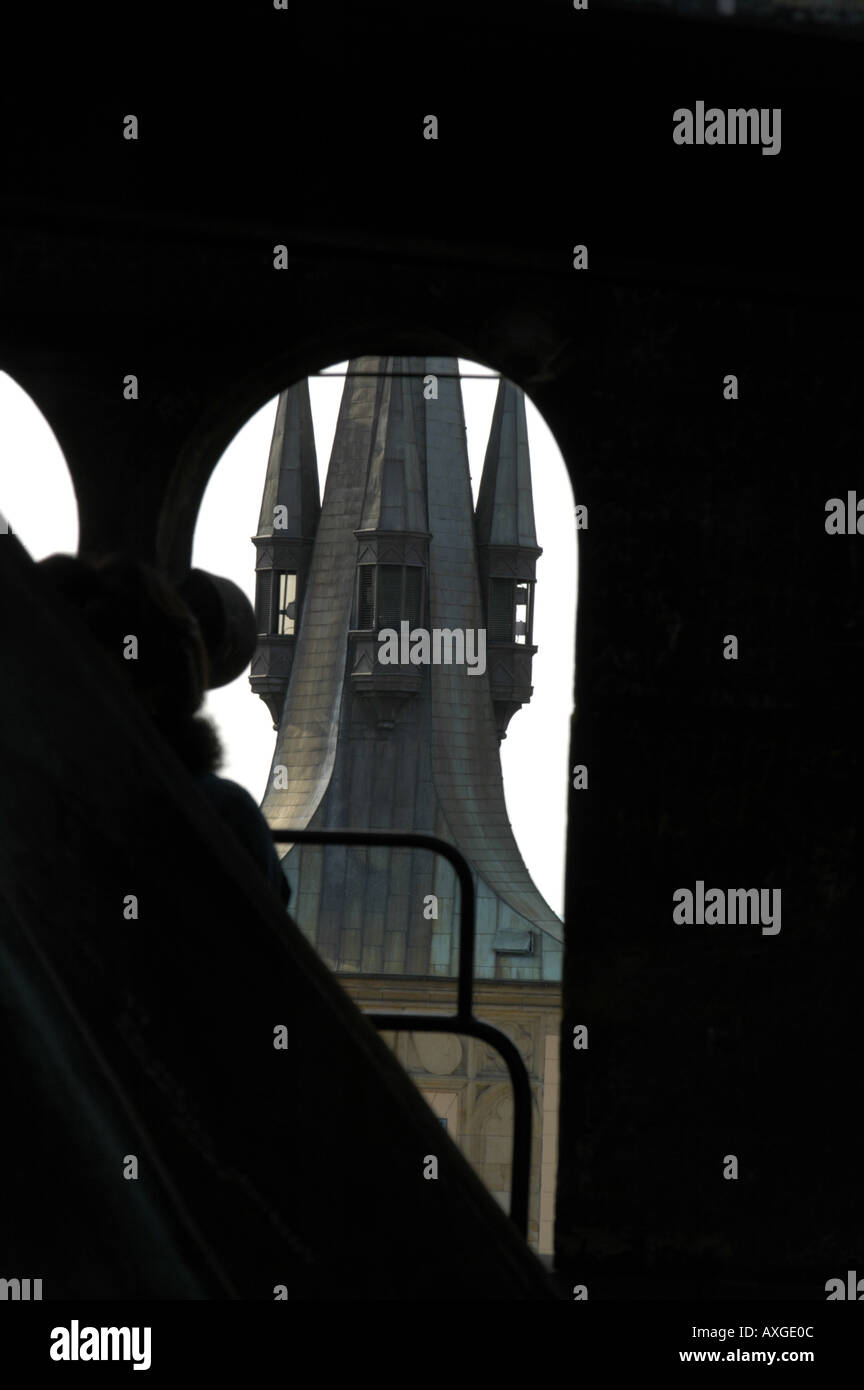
395, 498
505, 507
292, 469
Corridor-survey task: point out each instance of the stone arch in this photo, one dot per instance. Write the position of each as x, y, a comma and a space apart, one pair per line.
224, 412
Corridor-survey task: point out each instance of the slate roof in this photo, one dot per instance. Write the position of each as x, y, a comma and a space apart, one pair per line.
395, 497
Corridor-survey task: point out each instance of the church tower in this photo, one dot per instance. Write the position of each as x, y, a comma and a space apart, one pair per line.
364, 743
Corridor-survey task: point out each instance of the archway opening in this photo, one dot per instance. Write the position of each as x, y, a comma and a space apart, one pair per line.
434, 506
534, 753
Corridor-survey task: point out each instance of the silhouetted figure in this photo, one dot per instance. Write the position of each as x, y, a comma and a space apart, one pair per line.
118, 598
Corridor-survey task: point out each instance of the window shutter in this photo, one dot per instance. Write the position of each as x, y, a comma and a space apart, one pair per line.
366, 597
264, 601
414, 595
389, 596
500, 623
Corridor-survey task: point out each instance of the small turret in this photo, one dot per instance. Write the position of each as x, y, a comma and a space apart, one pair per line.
507, 553
290, 508
392, 540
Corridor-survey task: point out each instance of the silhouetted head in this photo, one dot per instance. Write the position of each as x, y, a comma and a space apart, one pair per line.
120, 599
227, 622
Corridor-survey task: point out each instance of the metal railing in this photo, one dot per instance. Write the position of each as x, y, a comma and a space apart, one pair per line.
463, 1021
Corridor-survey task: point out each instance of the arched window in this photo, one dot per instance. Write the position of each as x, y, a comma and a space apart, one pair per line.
37, 499
427, 519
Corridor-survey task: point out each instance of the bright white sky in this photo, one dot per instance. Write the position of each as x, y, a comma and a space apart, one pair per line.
37, 498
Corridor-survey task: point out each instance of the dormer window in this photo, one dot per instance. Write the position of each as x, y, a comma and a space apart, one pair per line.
522, 606
286, 604
511, 616
388, 595
276, 604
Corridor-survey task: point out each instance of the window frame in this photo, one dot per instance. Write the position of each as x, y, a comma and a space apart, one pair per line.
376, 565
514, 639
276, 616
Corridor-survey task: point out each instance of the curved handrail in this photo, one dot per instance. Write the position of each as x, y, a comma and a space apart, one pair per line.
463, 1021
